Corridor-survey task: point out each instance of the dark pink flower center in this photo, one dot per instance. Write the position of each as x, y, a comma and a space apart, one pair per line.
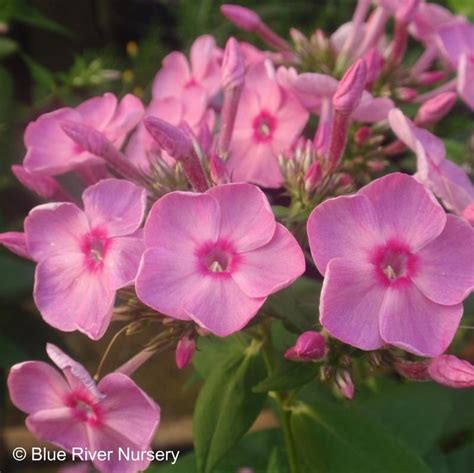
83, 408
394, 263
95, 245
263, 126
217, 259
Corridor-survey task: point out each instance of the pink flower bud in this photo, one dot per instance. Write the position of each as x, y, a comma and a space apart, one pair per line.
233, 65
242, 17
406, 10
350, 88
345, 384
449, 370
374, 61
310, 346
468, 214
414, 370
16, 243
185, 351
362, 135
433, 110
218, 170
430, 77
407, 94
313, 176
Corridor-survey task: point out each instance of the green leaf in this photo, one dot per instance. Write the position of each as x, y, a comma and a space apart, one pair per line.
288, 375
296, 305
334, 439
226, 407
7, 46
414, 413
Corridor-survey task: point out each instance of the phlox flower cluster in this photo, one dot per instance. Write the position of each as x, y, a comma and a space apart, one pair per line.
245, 170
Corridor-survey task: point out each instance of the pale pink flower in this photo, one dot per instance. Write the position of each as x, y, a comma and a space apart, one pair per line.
451, 371
50, 151
446, 179
71, 411
202, 71
85, 256
457, 45
396, 267
215, 257
310, 346
269, 121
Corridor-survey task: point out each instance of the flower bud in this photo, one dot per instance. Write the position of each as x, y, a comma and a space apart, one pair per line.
362, 135
16, 243
345, 384
374, 61
184, 352
433, 110
350, 88
242, 17
218, 170
233, 65
449, 370
310, 346
313, 176
430, 77
414, 370
406, 10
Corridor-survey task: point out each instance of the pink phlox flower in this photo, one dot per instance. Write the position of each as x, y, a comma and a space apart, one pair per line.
50, 151
202, 71
71, 411
85, 256
215, 257
269, 121
396, 267
446, 179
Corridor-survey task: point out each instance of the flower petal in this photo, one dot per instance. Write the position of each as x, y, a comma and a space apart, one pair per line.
16, 243
59, 427
407, 210
52, 229
446, 273
70, 297
220, 306
351, 299
116, 205
465, 79
35, 386
181, 221
128, 410
97, 112
272, 267
246, 218
343, 227
416, 324
172, 77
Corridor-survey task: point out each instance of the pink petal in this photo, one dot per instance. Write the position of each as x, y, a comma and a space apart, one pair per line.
35, 386
106, 439
201, 55
465, 79
128, 410
416, 324
372, 109
342, 227
272, 267
311, 88
172, 77
16, 243
351, 299
116, 205
446, 273
59, 427
123, 259
246, 218
51, 229
181, 221
127, 115
45, 186
220, 306
97, 112
165, 279
261, 79
454, 40
407, 210
70, 297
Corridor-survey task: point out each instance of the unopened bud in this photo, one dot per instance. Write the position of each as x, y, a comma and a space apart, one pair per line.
313, 177
218, 170
414, 370
406, 94
430, 77
433, 110
233, 65
185, 351
362, 135
244, 18
310, 346
350, 88
345, 384
449, 370
374, 61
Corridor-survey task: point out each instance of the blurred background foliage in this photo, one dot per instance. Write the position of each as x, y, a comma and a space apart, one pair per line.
55, 53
